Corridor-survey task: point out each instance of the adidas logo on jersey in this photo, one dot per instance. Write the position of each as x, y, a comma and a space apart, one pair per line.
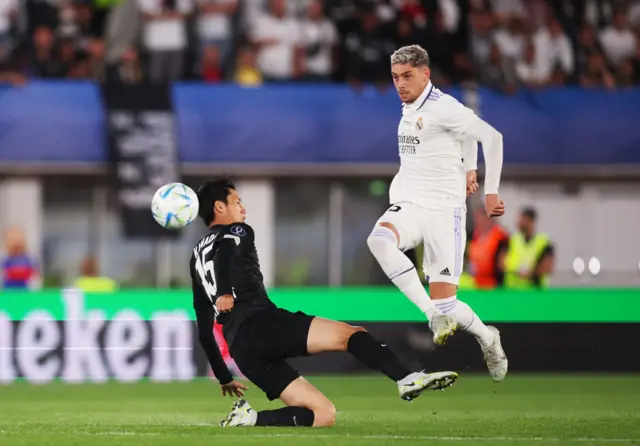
445, 272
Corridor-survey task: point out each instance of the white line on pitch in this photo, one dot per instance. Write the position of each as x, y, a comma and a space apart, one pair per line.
401, 437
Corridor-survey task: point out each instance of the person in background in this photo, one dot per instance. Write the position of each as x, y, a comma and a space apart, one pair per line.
8, 15
90, 280
530, 256
588, 45
368, 48
127, 70
164, 36
626, 75
597, 74
277, 38
512, 39
11, 70
19, 270
66, 54
498, 73
96, 59
618, 40
210, 67
319, 37
247, 72
527, 69
553, 48
215, 27
43, 60
487, 250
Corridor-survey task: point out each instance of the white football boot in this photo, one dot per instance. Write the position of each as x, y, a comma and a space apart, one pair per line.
443, 327
412, 386
495, 357
242, 414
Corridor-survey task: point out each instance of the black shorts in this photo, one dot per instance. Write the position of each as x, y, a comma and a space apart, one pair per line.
263, 343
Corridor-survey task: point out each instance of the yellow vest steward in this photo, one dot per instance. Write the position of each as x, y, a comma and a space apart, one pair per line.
523, 256
96, 284
466, 282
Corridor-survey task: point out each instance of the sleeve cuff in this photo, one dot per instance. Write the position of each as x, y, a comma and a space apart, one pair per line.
225, 378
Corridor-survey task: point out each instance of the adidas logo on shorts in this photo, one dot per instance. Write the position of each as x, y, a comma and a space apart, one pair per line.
445, 272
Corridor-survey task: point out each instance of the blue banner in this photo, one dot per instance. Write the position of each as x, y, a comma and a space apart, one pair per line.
62, 121
52, 121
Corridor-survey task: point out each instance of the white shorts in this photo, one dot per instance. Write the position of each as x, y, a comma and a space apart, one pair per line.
441, 229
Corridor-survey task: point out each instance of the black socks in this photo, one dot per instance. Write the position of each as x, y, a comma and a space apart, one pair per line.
376, 355
286, 416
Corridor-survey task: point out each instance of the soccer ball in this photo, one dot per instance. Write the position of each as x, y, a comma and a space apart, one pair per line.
174, 206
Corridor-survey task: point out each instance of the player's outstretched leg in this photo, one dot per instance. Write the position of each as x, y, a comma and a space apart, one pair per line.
332, 336
384, 244
487, 336
306, 407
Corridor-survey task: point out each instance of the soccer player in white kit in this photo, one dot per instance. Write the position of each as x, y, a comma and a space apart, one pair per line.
438, 142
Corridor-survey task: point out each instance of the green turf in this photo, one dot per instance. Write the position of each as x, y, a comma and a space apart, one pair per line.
524, 410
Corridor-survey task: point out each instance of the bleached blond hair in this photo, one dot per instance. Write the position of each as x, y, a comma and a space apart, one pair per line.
413, 55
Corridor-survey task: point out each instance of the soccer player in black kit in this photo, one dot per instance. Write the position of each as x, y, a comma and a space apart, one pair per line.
227, 284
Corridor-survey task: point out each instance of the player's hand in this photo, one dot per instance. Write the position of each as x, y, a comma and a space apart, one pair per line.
234, 388
225, 303
472, 182
493, 205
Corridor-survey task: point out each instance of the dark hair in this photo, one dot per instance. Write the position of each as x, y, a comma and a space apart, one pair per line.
530, 212
210, 192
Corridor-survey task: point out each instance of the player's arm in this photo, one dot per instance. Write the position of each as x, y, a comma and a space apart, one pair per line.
222, 263
205, 318
459, 119
470, 162
492, 148
470, 154
228, 250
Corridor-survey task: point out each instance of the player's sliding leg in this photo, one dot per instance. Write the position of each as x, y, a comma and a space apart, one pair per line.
444, 295
306, 407
384, 243
300, 394
332, 336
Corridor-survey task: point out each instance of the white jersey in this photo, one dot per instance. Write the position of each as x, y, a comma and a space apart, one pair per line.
430, 143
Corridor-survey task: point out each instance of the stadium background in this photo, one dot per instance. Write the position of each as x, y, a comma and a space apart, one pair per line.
98, 109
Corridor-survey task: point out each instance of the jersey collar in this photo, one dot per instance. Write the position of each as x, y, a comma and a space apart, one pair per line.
422, 99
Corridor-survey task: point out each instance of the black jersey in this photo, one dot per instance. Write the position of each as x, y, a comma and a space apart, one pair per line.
225, 261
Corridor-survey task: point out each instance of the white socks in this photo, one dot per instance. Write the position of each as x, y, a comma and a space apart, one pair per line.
467, 320
397, 266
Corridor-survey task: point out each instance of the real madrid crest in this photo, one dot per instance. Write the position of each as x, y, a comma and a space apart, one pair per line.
419, 123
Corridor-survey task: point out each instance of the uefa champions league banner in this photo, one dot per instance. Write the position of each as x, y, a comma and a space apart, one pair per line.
132, 335
142, 142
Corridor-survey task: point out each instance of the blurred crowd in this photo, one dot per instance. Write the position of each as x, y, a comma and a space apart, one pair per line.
503, 44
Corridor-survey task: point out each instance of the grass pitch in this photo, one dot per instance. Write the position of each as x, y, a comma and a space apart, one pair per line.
523, 410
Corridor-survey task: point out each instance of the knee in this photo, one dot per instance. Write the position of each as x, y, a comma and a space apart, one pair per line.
381, 239
373, 242
350, 331
324, 416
